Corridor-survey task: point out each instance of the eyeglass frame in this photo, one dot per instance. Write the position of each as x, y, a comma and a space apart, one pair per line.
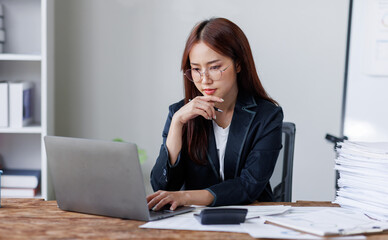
201, 74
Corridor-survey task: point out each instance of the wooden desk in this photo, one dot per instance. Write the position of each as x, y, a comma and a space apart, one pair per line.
39, 219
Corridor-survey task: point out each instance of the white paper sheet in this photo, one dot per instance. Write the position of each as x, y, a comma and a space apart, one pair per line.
187, 221
261, 230
258, 229
329, 222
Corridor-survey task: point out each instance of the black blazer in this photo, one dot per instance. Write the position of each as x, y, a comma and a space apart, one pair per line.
252, 149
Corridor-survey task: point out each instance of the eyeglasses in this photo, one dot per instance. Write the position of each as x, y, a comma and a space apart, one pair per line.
214, 73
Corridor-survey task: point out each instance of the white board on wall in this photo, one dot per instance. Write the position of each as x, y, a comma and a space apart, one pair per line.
366, 99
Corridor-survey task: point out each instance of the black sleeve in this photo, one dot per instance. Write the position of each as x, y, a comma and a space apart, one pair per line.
164, 176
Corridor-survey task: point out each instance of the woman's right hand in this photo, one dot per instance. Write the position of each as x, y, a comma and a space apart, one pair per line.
199, 106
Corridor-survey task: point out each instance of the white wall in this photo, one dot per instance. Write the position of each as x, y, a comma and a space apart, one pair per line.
117, 70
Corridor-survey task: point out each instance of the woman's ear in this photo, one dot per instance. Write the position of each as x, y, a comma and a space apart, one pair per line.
238, 67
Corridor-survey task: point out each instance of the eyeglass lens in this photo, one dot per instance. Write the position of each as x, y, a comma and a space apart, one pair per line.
196, 76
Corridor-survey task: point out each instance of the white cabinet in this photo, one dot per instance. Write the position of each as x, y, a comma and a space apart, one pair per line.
28, 56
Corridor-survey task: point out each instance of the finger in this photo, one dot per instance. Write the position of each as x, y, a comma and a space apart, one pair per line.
196, 105
202, 113
208, 109
151, 203
210, 99
174, 205
161, 203
151, 196
156, 199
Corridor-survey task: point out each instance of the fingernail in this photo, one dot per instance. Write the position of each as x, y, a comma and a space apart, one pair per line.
222, 99
215, 117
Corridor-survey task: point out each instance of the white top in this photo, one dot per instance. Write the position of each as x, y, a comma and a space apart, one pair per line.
221, 136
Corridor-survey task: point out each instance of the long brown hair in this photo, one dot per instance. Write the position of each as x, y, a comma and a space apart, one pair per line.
226, 38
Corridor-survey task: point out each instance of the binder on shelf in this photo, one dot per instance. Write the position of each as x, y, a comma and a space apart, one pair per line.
2, 35
20, 178
20, 104
4, 112
2, 31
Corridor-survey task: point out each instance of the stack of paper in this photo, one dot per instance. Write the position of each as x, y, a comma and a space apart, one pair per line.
363, 182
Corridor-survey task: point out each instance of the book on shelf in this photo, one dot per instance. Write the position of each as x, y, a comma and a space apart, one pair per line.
20, 178
19, 192
1, 10
20, 104
4, 115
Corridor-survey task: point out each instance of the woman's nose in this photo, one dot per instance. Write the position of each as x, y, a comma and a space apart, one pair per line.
205, 77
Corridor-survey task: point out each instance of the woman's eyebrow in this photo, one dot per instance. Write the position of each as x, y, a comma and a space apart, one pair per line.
210, 62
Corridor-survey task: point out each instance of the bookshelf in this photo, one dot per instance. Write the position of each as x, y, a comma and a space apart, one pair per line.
28, 56
20, 57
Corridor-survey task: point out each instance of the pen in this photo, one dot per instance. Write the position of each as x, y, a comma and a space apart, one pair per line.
215, 108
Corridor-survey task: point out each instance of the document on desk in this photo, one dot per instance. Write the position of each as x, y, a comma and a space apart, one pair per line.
258, 229
254, 226
187, 221
261, 230
329, 222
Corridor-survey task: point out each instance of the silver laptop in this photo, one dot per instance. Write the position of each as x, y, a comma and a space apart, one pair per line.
100, 177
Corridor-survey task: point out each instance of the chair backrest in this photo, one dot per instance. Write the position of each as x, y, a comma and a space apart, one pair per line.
281, 180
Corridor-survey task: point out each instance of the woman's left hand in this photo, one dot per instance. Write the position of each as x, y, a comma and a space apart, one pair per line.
160, 198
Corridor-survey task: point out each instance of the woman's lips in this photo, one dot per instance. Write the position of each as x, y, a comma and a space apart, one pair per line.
209, 91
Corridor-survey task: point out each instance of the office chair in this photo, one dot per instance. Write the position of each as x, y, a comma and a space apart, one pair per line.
281, 180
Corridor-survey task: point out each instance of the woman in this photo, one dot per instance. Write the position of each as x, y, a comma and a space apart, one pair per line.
221, 142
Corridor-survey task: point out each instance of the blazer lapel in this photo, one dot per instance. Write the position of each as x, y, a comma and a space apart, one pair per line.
212, 153
241, 122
